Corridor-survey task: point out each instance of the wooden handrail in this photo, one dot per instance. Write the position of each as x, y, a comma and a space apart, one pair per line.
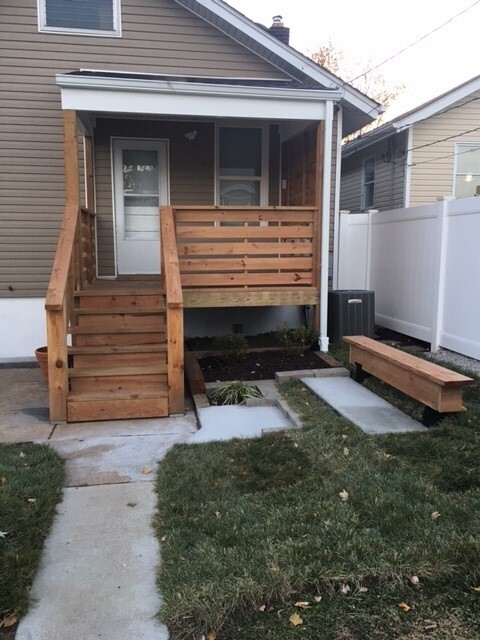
173, 284
61, 266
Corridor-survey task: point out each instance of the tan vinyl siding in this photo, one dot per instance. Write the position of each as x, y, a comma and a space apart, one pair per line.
389, 176
432, 173
191, 170
159, 36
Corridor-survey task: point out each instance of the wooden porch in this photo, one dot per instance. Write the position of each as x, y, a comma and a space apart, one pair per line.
125, 356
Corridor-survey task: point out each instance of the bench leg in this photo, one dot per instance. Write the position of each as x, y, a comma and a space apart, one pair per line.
431, 417
360, 375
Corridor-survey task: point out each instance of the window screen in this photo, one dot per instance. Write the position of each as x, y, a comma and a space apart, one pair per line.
94, 15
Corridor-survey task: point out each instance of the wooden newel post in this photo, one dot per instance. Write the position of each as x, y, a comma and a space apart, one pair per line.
57, 365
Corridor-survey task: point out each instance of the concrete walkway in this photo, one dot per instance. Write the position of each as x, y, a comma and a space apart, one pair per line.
362, 407
98, 571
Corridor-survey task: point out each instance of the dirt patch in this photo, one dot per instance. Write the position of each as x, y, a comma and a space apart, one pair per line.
258, 366
254, 342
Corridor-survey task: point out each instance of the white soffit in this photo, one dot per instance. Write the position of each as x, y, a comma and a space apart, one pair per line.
159, 97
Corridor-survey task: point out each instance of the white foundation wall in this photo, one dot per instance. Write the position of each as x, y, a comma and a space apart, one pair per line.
22, 328
201, 323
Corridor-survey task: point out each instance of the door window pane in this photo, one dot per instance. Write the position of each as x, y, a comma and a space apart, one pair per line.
240, 193
140, 172
80, 14
142, 217
240, 152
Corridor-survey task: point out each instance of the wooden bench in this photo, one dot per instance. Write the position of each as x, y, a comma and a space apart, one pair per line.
439, 389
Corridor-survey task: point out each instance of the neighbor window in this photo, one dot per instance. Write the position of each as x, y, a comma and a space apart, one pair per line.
240, 166
467, 173
368, 183
90, 17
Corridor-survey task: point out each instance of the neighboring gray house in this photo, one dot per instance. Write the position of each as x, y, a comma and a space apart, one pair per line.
433, 150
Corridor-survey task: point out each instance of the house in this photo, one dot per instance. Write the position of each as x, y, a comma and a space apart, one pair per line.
113, 110
431, 151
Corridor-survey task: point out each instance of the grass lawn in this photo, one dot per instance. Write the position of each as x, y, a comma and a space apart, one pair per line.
251, 528
31, 480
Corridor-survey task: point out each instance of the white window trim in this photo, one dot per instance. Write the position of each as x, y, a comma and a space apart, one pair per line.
363, 204
458, 148
264, 178
115, 33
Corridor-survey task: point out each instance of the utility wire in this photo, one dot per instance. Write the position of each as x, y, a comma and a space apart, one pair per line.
395, 55
455, 135
450, 155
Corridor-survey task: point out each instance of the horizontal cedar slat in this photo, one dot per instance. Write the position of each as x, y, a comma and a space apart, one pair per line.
247, 248
244, 216
222, 233
249, 279
240, 264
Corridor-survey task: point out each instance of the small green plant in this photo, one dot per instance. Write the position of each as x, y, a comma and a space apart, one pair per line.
233, 346
234, 393
296, 339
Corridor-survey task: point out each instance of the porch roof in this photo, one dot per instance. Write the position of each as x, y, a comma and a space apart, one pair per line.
130, 93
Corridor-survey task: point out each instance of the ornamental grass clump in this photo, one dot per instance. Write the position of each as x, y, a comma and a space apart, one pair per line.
232, 346
234, 393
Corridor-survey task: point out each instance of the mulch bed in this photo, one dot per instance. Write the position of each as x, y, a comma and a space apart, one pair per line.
261, 365
260, 340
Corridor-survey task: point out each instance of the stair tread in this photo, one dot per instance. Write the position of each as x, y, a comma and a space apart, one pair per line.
114, 349
102, 329
97, 372
95, 396
121, 312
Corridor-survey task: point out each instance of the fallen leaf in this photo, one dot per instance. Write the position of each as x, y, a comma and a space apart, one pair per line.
415, 580
363, 590
404, 607
343, 495
9, 622
302, 605
317, 598
147, 470
344, 437
295, 619
212, 636
477, 589
31, 500
430, 626
131, 504
346, 451
2, 480
3, 534
435, 515
217, 514
345, 589
21, 454
262, 608
163, 539
214, 484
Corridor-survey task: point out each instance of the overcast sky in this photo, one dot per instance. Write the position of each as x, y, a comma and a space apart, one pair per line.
440, 62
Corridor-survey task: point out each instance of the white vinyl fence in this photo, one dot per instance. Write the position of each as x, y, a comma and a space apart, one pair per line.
424, 265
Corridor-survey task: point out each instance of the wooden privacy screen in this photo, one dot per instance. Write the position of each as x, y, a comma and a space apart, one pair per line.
251, 247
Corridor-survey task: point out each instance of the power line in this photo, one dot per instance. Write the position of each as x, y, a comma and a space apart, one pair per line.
450, 155
455, 135
395, 55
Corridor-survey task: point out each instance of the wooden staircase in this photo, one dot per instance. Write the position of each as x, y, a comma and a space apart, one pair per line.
118, 361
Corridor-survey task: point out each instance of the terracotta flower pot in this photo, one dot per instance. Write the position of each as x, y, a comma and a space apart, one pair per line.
42, 357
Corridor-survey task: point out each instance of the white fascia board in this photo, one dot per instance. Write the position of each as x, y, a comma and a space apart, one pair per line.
292, 57
444, 102
112, 95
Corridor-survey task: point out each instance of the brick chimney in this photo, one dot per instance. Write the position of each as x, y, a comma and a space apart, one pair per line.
279, 30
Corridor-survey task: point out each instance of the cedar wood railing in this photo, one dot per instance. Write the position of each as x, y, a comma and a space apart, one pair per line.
73, 268
247, 247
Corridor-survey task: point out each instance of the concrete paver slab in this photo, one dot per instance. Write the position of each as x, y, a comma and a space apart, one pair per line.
226, 423
97, 577
110, 458
365, 409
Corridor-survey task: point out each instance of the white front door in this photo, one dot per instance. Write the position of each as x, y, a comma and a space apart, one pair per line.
141, 186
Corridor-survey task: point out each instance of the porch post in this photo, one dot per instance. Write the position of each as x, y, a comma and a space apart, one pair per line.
89, 181
325, 209
70, 146
317, 233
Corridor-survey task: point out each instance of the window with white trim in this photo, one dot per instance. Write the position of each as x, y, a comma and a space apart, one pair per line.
86, 17
467, 170
368, 183
241, 166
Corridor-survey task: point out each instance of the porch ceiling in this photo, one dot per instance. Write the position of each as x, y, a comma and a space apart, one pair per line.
197, 97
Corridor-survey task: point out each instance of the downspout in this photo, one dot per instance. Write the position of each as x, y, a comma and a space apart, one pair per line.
338, 178
324, 248
408, 169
